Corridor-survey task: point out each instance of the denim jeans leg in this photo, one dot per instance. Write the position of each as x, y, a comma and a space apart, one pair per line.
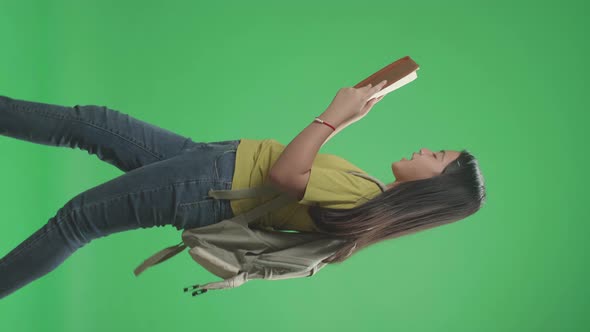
114, 137
166, 182
169, 192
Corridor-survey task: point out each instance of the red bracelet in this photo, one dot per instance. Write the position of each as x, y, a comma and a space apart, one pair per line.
324, 122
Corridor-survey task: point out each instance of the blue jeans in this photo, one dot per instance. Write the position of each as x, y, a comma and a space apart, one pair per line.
166, 181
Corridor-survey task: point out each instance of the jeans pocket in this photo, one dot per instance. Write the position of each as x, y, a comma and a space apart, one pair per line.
197, 214
224, 165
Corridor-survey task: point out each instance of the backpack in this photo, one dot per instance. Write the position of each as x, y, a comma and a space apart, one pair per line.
233, 251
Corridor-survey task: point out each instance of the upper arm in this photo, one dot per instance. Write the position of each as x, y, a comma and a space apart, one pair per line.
326, 187
295, 185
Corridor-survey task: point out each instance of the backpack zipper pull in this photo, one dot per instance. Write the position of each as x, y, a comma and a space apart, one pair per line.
197, 292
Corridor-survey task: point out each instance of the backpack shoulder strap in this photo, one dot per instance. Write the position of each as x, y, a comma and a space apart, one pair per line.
159, 257
257, 212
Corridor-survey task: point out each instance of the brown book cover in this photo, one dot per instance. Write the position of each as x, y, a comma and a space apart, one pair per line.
397, 74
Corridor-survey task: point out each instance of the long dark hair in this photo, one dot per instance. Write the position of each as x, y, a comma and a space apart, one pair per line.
408, 207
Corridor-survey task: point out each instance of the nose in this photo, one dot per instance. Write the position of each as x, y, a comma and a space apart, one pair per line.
421, 152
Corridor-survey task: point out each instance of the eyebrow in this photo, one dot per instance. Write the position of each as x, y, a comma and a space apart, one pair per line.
443, 156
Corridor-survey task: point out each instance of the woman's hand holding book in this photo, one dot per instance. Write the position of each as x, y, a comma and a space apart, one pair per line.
352, 104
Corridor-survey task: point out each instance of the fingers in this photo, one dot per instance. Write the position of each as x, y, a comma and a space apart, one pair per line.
378, 86
371, 90
376, 100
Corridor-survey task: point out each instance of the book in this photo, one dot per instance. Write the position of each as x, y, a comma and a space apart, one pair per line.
397, 74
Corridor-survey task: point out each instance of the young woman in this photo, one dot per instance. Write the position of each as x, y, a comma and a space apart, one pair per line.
167, 178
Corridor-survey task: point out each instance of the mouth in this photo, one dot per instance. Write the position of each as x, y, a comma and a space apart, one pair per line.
411, 158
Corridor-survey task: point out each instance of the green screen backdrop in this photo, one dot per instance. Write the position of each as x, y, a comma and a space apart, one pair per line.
506, 80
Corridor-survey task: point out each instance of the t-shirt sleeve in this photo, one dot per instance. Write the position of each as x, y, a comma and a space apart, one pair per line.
333, 188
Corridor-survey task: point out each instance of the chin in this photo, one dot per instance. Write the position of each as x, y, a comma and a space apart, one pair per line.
395, 166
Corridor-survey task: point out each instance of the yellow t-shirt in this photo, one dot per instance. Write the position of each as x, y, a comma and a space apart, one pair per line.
329, 185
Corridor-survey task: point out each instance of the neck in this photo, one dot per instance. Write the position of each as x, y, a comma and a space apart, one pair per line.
393, 184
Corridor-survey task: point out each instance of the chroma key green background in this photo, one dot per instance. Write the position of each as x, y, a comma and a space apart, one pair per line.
506, 80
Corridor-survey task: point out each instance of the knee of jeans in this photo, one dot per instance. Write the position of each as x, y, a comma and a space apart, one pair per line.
80, 226
74, 234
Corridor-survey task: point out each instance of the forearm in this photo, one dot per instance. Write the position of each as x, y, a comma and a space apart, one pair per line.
334, 132
297, 157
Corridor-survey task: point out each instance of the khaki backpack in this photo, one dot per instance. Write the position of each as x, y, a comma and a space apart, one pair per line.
233, 251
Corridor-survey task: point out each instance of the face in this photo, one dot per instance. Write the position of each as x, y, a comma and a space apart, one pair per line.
422, 165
